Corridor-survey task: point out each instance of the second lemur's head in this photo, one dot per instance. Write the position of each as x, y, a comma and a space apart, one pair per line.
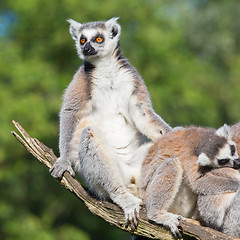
218, 150
95, 39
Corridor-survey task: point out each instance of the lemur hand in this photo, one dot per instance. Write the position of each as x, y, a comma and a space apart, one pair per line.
59, 167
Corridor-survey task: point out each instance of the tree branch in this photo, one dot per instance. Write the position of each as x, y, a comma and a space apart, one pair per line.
109, 211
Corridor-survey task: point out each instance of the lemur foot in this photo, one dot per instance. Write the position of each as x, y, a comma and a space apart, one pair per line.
131, 206
59, 167
170, 221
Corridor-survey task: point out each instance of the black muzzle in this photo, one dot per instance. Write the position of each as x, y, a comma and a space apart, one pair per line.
236, 163
88, 50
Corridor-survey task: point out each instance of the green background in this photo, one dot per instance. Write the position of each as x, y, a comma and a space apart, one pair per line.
187, 51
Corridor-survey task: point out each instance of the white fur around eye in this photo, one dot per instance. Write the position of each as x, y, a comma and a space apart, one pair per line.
224, 152
203, 160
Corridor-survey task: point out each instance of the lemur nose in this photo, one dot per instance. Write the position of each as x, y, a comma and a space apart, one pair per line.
236, 163
87, 47
88, 50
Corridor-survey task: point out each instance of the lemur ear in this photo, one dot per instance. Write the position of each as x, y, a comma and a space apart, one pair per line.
203, 160
224, 131
74, 28
114, 27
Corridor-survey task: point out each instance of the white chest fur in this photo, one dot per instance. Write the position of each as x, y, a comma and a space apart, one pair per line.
112, 89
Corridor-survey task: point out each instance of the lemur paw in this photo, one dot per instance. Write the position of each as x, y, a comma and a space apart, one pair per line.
170, 221
131, 206
131, 212
59, 167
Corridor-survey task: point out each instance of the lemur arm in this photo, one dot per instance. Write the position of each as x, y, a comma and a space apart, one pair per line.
213, 182
67, 126
143, 115
75, 100
64, 162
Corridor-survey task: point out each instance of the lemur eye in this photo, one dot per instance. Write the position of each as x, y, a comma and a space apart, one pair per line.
99, 39
223, 161
82, 40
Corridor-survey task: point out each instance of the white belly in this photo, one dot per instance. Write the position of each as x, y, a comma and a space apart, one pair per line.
125, 142
120, 134
185, 202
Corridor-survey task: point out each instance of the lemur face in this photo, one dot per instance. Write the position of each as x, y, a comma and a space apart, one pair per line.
95, 39
227, 156
221, 151
91, 42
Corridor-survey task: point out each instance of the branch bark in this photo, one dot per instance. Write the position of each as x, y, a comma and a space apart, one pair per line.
109, 211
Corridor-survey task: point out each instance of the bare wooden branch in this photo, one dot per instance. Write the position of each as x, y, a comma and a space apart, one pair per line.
109, 211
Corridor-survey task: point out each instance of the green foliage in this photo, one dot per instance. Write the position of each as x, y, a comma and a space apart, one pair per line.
187, 52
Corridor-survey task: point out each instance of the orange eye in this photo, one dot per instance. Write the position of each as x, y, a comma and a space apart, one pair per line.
83, 40
99, 39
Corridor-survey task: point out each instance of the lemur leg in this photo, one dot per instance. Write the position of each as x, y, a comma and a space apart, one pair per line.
99, 168
231, 225
161, 193
147, 172
212, 209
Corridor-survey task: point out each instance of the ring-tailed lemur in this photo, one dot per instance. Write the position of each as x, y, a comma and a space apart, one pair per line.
106, 113
180, 166
222, 211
